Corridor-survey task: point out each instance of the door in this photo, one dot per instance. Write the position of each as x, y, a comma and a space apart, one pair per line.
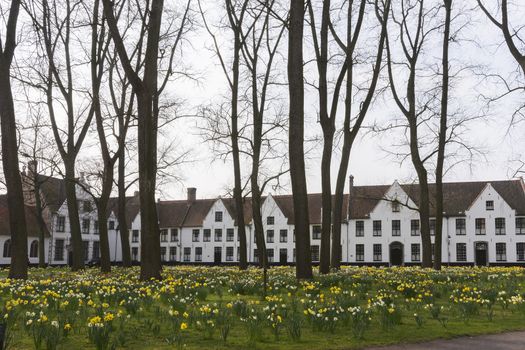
396, 254
283, 256
217, 256
481, 253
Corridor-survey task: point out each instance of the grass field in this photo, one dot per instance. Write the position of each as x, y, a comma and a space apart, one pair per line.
223, 308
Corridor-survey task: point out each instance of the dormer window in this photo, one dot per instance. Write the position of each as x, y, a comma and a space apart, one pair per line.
489, 205
218, 216
395, 206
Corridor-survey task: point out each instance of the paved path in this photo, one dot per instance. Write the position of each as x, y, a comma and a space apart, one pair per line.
503, 341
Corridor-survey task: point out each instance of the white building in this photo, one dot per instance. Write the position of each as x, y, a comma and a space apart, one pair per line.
484, 223
55, 214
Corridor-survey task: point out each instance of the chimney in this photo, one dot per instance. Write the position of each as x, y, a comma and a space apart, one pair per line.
192, 195
31, 167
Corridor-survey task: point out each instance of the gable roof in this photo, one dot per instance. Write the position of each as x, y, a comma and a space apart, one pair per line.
285, 203
132, 208
31, 219
53, 191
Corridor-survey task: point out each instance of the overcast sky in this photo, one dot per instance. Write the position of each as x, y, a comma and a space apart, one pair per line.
369, 162
477, 46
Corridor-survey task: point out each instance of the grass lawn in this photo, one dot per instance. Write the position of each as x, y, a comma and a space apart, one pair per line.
199, 307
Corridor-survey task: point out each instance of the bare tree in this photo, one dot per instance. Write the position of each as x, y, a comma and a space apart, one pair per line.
147, 91
351, 126
442, 136
409, 21
54, 23
15, 197
296, 139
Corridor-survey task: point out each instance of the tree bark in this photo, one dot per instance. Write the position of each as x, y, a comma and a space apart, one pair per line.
15, 196
438, 239
122, 217
296, 140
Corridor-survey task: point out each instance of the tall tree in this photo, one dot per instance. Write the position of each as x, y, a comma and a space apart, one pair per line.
55, 23
350, 130
296, 139
147, 91
15, 197
413, 30
442, 136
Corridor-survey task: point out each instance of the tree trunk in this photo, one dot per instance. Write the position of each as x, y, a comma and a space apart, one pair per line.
74, 221
40, 220
438, 240
258, 223
15, 197
296, 140
150, 266
122, 218
326, 189
105, 260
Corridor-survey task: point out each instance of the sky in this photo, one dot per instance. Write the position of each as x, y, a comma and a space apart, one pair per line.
370, 164
477, 50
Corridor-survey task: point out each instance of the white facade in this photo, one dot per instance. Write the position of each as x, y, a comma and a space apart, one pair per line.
388, 235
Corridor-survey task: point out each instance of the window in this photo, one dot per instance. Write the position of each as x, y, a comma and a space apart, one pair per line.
359, 252
414, 228
294, 235
416, 252
218, 235
293, 255
315, 253
229, 253
111, 224
163, 254
59, 250
489, 205
316, 232
218, 216
432, 249
187, 254
96, 250
269, 254
461, 227
255, 255
501, 252
376, 230
86, 206
269, 236
135, 253
95, 227
432, 226
7, 248
134, 236
377, 252
164, 235
85, 245
480, 226
283, 236
396, 228
173, 253
359, 228
174, 235
33, 249
520, 251
461, 252
195, 235
61, 223
85, 226
270, 220
500, 226
395, 206
206, 235
520, 226
198, 253
230, 234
